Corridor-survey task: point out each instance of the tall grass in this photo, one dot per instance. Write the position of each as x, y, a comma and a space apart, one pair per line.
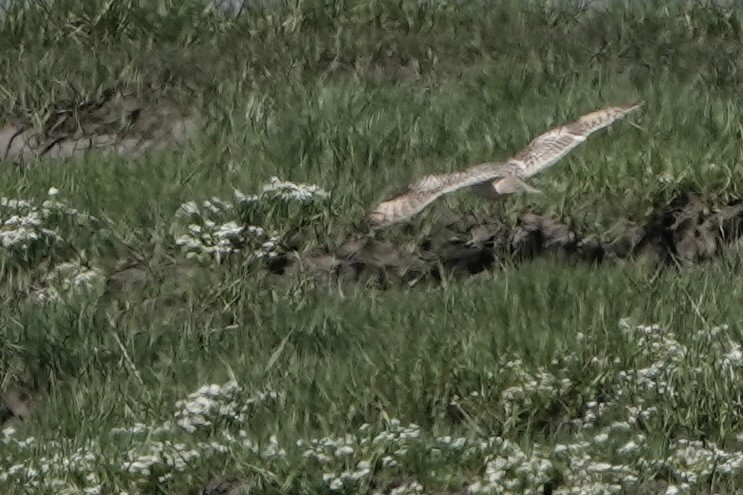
524, 377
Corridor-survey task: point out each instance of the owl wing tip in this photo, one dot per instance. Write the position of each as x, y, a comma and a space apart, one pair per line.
633, 106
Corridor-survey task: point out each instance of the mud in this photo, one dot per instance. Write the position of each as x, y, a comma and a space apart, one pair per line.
113, 123
687, 231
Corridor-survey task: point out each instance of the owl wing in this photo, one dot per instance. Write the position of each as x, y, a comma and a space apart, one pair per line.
425, 191
541, 153
550, 147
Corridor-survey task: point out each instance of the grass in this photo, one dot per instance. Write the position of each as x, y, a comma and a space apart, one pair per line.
530, 375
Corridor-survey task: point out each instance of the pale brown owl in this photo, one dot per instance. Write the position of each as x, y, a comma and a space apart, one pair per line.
491, 180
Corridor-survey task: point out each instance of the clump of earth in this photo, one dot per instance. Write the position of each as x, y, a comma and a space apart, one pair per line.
690, 230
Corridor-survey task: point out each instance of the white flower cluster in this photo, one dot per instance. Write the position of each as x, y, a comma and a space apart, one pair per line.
390, 445
214, 232
68, 470
406, 489
714, 351
605, 450
528, 386
508, 469
24, 223
275, 188
664, 353
610, 456
693, 461
212, 403
67, 278
206, 236
52, 472
160, 456
662, 363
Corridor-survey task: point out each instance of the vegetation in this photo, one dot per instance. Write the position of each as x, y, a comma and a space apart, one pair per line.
119, 298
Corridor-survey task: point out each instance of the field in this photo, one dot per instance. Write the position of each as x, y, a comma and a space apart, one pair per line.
197, 305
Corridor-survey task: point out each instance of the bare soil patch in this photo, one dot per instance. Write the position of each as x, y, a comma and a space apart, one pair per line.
689, 230
113, 123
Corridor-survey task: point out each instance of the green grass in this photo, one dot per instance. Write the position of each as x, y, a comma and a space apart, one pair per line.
359, 98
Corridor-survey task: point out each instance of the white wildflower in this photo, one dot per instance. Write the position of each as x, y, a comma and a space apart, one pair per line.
292, 192
344, 451
601, 438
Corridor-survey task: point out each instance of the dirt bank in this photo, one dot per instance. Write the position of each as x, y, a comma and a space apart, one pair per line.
689, 230
112, 123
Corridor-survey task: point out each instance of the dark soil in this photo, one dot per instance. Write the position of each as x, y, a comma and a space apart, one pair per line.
690, 230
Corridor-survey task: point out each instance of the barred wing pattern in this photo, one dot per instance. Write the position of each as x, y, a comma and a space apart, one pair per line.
420, 194
550, 147
491, 180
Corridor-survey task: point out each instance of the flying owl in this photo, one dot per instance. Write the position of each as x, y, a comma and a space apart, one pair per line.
491, 180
